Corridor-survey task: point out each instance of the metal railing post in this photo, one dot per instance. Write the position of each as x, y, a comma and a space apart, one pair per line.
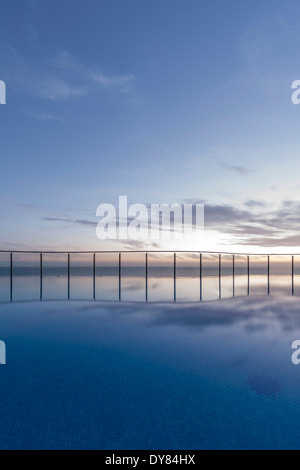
69, 276
146, 274
94, 276
41, 276
201, 295
220, 267
268, 275
120, 274
174, 277
218, 257
248, 270
293, 274
233, 276
11, 276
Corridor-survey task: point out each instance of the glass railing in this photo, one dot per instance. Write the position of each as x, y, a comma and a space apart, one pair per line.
145, 276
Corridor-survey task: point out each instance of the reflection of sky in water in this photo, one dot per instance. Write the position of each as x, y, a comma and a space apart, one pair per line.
154, 376
133, 287
160, 276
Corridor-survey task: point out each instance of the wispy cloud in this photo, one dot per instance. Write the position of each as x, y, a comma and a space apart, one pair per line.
70, 221
254, 203
66, 62
45, 117
63, 60
60, 78
262, 52
111, 81
230, 159
239, 169
30, 26
247, 226
252, 223
57, 90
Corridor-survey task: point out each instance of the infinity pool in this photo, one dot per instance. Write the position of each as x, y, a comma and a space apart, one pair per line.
91, 375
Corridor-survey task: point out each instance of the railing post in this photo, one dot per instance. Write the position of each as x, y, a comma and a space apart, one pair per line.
201, 296
94, 276
248, 269
268, 275
174, 277
11, 277
233, 275
220, 267
120, 274
293, 273
69, 276
146, 274
41, 276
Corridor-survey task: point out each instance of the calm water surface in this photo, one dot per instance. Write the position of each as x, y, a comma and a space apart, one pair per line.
94, 375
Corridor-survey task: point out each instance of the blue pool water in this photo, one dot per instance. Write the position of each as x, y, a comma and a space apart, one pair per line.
92, 375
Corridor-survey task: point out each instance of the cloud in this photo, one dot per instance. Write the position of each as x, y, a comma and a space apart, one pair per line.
262, 53
67, 63
140, 245
111, 81
230, 159
30, 26
254, 203
253, 223
224, 214
45, 117
248, 226
239, 169
273, 242
57, 90
63, 60
249, 313
60, 78
27, 207
70, 221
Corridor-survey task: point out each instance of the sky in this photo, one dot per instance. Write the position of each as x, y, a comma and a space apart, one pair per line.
165, 101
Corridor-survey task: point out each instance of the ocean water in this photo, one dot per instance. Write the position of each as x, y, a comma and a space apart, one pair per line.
136, 375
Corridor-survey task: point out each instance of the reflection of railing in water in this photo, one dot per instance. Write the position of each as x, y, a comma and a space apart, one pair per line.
175, 254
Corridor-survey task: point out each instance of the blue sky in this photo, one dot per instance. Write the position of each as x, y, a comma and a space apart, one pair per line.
163, 101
